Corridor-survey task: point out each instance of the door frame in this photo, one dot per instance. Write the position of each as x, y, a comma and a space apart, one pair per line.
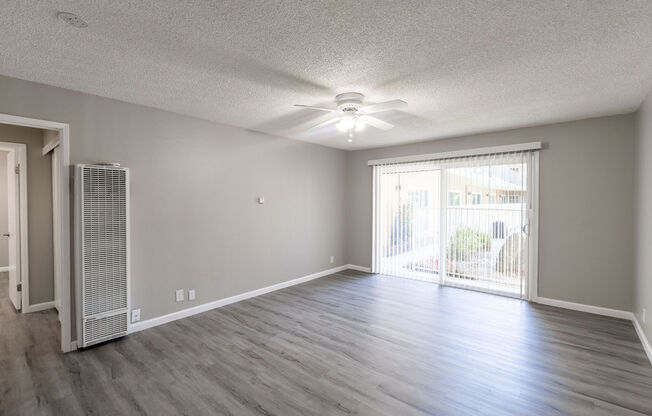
63, 130
20, 158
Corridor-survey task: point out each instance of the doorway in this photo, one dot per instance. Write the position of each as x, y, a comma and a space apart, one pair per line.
465, 222
60, 221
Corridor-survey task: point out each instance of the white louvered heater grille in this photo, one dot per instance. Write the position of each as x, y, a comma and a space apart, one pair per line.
103, 207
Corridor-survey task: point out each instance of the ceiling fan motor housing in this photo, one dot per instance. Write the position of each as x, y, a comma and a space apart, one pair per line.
349, 102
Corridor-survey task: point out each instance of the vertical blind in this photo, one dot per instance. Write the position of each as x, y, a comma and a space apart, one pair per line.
460, 221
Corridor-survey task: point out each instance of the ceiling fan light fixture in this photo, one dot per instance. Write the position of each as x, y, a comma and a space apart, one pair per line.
354, 116
346, 124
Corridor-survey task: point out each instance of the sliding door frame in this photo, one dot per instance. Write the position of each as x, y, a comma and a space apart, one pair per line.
443, 220
533, 229
532, 283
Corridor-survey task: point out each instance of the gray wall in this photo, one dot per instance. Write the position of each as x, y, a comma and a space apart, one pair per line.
586, 193
39, 211
196, 223
643, 219
4, 248
194, 184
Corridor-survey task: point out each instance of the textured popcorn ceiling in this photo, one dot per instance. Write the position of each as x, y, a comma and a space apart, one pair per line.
463, 66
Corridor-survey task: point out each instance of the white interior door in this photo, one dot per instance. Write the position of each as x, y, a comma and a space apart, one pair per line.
12, 231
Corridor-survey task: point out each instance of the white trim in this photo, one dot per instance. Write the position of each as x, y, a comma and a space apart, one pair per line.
521, 147
359, 268
641, 335
598, 310
56, 225
4, 269
533, 230
50, 146
164, 319
64, 201
39, 307
31, 122
375, 221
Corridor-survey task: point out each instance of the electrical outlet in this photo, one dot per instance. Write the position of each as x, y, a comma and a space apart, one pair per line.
332, 259
135, 315
644, 315
191, 294
179, 294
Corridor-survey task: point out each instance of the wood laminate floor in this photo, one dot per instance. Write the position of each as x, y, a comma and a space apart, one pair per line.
346, 344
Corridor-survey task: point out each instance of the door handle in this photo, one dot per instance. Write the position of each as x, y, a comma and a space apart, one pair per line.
7, 234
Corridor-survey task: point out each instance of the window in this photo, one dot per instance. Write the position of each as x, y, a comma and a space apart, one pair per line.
492, 198
503, 199
476, 198
514, 199
453, 198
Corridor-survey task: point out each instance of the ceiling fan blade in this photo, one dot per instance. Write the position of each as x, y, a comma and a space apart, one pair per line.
325, 123
387, 105
330, 110
376, 122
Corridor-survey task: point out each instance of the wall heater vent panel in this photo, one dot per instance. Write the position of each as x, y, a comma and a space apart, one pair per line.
103, 238
105, 328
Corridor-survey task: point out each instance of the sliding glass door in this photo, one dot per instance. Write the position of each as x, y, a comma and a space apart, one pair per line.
410, 215
461, 222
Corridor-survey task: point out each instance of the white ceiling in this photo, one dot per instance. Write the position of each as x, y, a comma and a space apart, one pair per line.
463, 66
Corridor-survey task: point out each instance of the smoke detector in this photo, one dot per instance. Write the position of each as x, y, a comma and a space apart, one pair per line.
72, 19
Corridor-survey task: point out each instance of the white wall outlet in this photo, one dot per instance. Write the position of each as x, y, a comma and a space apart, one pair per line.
332, 259
261, 200
179, 295
643, 315
191, 294
135, 315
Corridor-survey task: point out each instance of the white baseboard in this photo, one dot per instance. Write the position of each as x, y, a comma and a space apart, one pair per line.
358, 268
4, 269
598, 310
39, 307
160, 320
644, 340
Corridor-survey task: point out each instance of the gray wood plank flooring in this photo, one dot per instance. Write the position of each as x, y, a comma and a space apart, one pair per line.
350, 343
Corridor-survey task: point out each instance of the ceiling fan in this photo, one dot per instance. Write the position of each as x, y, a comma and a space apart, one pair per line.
353, 115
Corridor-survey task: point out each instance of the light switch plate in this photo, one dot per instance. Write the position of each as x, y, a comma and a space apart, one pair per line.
179, 294
191, 294
332, 259
135, 315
